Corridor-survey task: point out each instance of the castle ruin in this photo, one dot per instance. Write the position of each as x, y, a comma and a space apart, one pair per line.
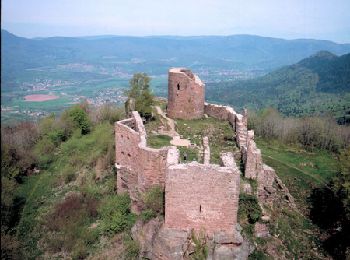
186, 94
197, 196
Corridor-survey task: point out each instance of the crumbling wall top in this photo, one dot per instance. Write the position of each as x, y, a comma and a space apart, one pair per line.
188, 73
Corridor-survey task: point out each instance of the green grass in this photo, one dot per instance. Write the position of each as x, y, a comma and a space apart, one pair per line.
191, 154
300, 170
43, 191
158, 141
219, 132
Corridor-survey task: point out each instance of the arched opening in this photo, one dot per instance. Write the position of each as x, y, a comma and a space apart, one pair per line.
200, 208
178, 86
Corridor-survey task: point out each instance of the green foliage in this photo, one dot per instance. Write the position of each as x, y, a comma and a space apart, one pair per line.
310, 132
342, 181
69, 223
108, 113
44, 151
316, 85
78, 117
219, 133
258, 255
249, 208
147, 215
300, 170
73, 157
154, 200
141, 93
131, 247
330, 209
296, 232
115, 214
200, 246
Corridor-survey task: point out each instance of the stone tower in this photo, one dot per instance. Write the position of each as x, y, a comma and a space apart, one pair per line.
186, 94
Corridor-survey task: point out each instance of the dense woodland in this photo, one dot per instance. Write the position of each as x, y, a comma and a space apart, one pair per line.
318, 85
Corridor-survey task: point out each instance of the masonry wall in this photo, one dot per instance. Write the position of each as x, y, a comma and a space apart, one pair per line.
221, 112
186, 94
201, 197
253, 164
138, 166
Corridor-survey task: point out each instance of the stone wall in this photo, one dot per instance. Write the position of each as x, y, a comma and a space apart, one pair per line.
253, 164
138, 166
185, 94
265, 181
201, 197
241, 130
220, 112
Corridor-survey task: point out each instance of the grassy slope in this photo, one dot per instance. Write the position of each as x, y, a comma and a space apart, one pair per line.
301, 171
43, 191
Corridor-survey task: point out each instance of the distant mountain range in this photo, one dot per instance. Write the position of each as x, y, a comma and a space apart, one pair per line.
155, 54
316, 85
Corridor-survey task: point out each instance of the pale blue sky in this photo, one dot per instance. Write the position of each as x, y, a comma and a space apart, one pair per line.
290, 19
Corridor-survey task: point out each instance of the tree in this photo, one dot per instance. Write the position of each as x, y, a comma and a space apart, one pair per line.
77, 117
141, 93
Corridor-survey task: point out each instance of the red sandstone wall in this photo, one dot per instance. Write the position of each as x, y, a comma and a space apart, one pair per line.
138, 167
253, 164
201, 196
220, 112
188, 101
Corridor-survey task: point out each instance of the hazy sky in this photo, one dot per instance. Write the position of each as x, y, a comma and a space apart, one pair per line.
320, 19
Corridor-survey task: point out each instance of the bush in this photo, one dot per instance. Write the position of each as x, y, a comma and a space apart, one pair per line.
78, 117
69, 223
249, 208
258, 255
200, 246
75, 208
107, 113
131, 248
147, 215
115, 214
310, 132
44, 151
154, 199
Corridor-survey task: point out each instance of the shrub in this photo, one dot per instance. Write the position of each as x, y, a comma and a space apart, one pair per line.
200, 246
249, 208
115, 214
79, 117
258, 255
69, 223
131, 248
74, 208
154, 199
44, 151
147, 215
107, 113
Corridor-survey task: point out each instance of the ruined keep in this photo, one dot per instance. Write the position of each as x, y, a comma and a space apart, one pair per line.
186, 94
198, 196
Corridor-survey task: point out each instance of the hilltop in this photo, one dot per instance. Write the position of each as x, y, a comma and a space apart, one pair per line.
318, 84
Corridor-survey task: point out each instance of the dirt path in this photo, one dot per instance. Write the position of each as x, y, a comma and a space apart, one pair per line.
170, 130
170, 123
